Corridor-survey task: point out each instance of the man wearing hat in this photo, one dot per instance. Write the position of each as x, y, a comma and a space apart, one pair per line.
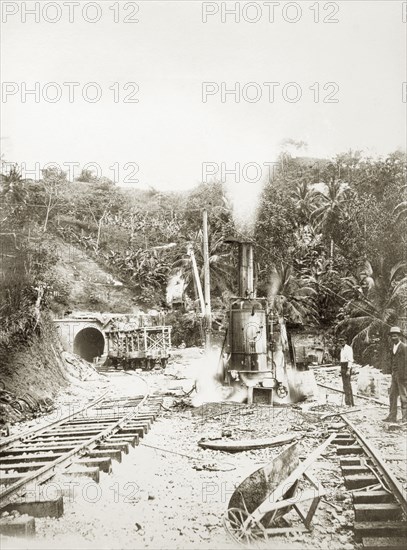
398, 362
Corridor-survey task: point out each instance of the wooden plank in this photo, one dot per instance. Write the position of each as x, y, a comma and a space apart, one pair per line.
234, 446
377, 512
10, 479
58, 449
379, 529
121, 446
38, 508
133, 440
349, 461
372, 496
345, 441
139, 431
22, 466
76, 471
353, 470
257, 487
384, 543
113, 454
22, 526
281, 490
359, 481
104, 463
32, 457
350, 450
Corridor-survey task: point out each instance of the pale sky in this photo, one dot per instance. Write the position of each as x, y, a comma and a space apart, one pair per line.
170, 52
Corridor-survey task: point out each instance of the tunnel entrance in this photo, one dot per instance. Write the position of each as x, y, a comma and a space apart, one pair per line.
89, 343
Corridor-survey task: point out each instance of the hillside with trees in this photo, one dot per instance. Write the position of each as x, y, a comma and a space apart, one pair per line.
330, 236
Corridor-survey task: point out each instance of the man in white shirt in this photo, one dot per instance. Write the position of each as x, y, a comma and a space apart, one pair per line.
346, 360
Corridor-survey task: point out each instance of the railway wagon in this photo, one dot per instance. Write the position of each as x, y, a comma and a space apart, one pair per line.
131, 345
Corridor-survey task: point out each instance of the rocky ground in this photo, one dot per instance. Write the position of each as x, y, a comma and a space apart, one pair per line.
170, 493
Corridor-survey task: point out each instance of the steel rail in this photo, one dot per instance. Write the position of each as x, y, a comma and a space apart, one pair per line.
394, 485
356, 395
324, 365
46, 472
5, 443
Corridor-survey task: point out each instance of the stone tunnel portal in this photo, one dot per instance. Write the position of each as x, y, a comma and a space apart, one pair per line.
89, 343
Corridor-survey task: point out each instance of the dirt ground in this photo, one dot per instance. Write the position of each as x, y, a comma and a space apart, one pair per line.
170, 493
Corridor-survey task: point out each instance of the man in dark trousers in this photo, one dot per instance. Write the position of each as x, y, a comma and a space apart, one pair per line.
398, 362
346, 360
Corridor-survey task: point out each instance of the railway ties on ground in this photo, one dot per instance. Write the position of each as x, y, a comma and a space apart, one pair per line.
379, 501
80, 444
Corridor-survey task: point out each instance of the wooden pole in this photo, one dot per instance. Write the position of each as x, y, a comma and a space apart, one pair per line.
197, 280
207, 282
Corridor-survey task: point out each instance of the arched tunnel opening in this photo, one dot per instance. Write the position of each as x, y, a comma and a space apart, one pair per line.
89, 343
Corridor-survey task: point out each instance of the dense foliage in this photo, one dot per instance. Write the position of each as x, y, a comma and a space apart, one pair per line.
330, 241
339, 228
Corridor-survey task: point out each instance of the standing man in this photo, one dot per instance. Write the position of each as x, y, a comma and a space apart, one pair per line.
398, 362
346, 360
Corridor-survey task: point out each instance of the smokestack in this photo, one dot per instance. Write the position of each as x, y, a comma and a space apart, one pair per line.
250, 271
242, 269
246, 268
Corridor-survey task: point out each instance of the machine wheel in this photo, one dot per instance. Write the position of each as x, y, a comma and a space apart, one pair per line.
246, 535
281, 390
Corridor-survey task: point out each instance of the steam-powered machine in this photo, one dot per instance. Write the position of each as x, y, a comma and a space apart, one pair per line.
253, 340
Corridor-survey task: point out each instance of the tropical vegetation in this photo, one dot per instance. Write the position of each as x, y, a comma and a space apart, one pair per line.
330, 239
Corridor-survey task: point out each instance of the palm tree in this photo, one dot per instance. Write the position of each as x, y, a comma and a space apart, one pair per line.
291, 297
11, 177
305, 199
219, 263
14, 195
378, 297
331, 204
400, 210
326, 280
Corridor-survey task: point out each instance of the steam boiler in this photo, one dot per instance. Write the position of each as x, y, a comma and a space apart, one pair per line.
253, 337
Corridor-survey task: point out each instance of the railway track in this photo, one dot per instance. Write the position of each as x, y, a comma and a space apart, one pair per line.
80, 444
379, 499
